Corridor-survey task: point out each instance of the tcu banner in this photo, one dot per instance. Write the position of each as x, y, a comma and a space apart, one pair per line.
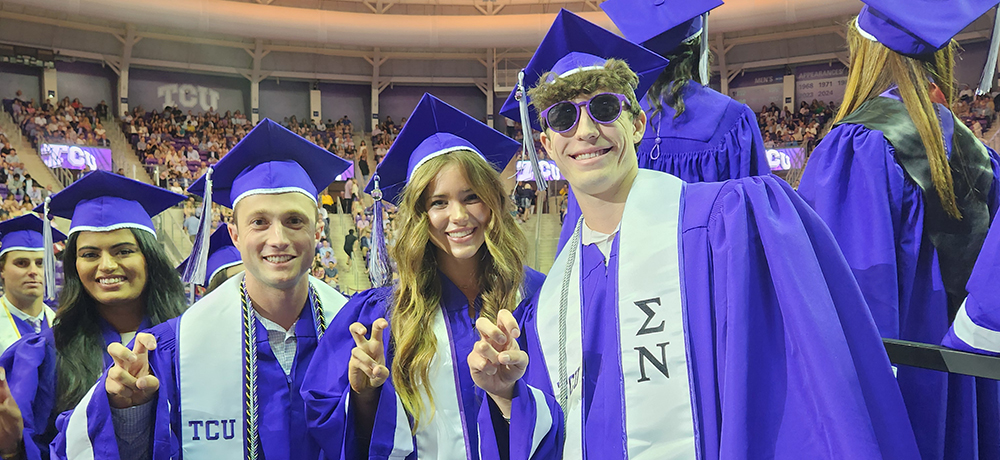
188, 96
76, 157
549, 171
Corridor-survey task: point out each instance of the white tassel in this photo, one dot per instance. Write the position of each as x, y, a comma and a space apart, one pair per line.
703, 74
529, 142
197, 266
986, 82
49, 261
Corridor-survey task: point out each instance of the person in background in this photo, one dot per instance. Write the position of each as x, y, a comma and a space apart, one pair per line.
909, 192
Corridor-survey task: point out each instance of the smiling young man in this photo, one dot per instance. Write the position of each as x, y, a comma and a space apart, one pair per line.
22, 272
712, 320
222, 381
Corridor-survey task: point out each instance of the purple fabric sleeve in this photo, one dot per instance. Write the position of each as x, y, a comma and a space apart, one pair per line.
30, 364
794, 372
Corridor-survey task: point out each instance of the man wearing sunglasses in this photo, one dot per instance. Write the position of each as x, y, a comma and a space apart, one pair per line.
711, 320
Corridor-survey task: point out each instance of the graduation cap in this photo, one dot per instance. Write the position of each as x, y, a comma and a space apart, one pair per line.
571, 45
24, 233
433, 129
222, 254
662, 26
270, 159
101, 202
436, 128
918, 28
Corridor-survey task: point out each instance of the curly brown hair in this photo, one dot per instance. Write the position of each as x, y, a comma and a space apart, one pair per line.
616, 77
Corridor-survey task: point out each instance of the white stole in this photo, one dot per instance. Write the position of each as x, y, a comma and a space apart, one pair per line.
8, 328
658, 416
210, 355
442, 436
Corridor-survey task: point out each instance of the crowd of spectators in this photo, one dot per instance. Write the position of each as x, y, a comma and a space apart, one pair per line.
19, 192
977, 111
63, 122
780, 127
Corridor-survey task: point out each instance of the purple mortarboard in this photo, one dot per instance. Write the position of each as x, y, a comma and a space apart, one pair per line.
433, 129
574, 44
661, 25
918, 28
101, 201
222, 254
24, 233
269, 160
436, 128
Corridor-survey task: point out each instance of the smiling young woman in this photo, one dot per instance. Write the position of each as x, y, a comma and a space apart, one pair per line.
117, 281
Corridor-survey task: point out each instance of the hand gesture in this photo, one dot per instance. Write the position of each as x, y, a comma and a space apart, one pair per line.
496, 361
129, 381
367, 369
11, 423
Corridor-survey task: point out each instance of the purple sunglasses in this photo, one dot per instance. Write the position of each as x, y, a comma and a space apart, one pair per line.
603, 108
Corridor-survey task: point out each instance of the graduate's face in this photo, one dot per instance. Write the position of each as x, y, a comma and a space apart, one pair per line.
276, 236
22, 275
456, 215
111, 266
596, 158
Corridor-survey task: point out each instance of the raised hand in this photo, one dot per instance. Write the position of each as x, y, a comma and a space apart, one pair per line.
367, 370
496, 361
129, 381
11, 423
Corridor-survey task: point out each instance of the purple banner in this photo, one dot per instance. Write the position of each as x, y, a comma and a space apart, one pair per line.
758, 78
549, 171
76, 157
782, 159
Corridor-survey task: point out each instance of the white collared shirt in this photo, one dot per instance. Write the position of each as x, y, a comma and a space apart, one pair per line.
603, 241
34, 321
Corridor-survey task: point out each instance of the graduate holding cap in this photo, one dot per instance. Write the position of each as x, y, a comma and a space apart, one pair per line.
222, 381
223, 260
117, 281
706, 320
460, 258
22, 270
909, 193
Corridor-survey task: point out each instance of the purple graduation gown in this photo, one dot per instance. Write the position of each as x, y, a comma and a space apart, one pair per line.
877, 212
982, 306
332, 425
280, 412
715, 139
784, 359
31, 373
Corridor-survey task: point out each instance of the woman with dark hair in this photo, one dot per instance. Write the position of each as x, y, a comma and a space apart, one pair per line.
117, 281
693, 132
909, 192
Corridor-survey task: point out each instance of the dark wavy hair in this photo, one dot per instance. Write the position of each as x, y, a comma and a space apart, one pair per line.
669, 86
79, 345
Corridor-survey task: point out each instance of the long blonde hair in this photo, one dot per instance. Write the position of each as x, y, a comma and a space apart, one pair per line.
418, 293
874, 68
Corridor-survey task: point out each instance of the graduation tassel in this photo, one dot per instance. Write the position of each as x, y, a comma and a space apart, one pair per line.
528, 142
379, 270
49, 257
986, 82
703, 63
197, 264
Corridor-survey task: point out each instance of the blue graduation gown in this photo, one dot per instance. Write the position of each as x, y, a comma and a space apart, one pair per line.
280, 406
327, 386
31, 373
784, 360
877, 213
982, 306
715, 139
